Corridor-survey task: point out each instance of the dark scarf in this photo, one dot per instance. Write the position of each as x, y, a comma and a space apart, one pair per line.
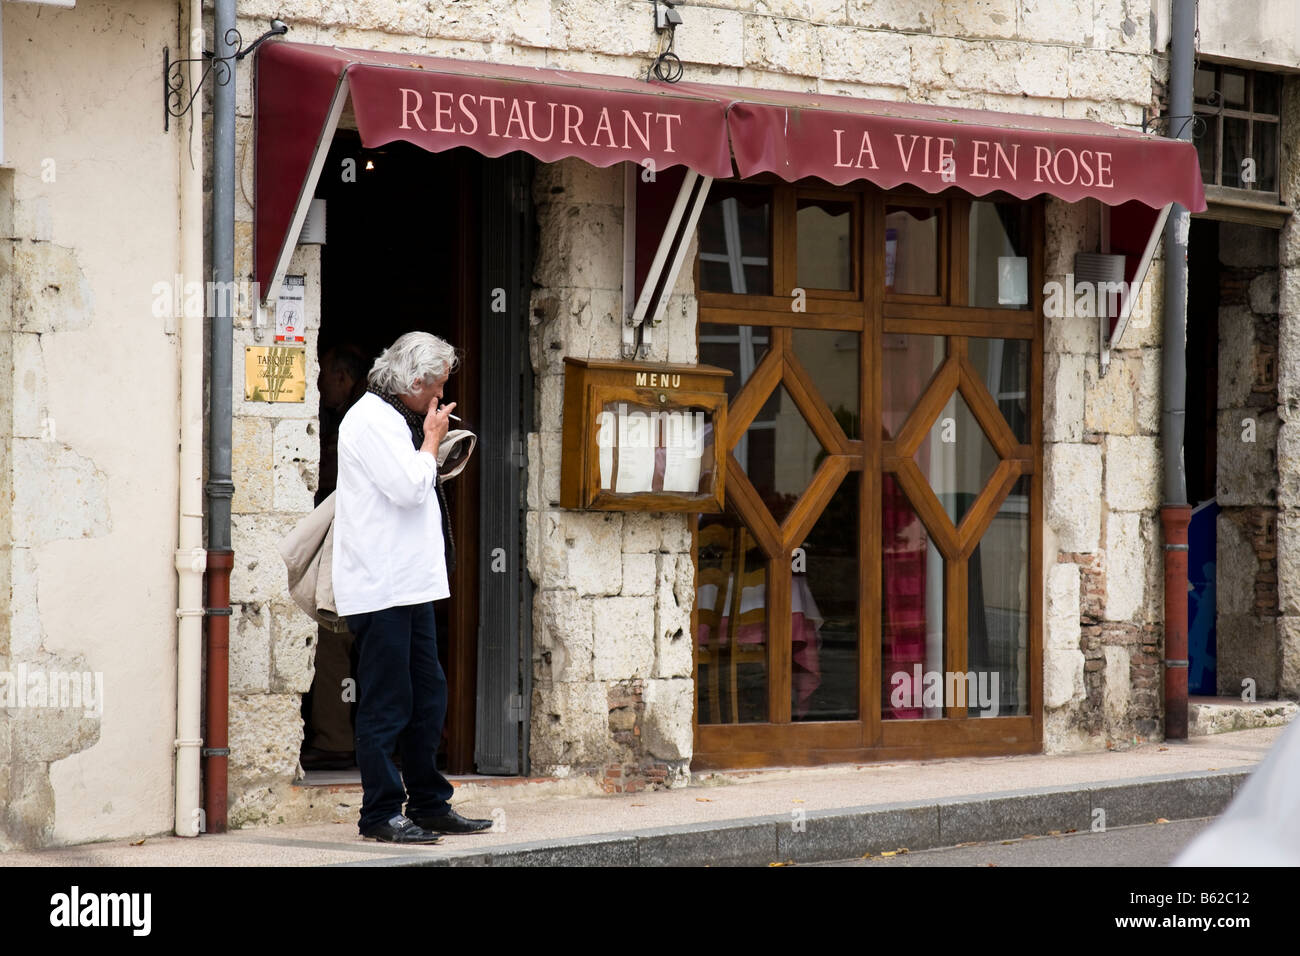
416, 422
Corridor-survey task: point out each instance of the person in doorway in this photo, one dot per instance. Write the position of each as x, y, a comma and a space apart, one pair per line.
390, 565
342, 381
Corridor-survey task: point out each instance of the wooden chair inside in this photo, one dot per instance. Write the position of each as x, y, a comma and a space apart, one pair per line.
730, 578
709, 654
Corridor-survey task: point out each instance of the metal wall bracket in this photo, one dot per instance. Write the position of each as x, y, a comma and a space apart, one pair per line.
174, 100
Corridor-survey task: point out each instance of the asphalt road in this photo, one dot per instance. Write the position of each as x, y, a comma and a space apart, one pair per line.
1154, 844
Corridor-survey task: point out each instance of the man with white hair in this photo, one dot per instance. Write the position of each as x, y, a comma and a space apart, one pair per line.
390, 564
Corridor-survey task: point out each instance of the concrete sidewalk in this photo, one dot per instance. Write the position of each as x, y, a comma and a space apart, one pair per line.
770, 816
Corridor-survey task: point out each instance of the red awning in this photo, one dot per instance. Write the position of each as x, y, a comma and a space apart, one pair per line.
554, 114
439, 104
840, 139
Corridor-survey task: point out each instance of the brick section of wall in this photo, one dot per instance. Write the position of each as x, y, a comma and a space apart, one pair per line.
1263, 526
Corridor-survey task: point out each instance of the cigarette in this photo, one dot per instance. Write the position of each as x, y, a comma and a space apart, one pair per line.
456, 417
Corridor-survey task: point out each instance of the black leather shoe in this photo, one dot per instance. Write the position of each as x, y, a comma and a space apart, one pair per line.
453, 822
399, 829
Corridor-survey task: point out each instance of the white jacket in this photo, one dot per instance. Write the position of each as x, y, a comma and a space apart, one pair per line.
388, 545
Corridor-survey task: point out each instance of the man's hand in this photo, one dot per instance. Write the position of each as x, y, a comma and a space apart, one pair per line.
435, 427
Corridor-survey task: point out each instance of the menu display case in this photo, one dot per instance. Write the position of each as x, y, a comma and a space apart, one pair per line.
643, 436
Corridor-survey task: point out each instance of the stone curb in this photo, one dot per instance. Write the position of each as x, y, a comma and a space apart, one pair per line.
854, 831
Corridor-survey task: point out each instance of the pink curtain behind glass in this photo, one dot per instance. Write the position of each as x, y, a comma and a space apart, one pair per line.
903, 600
908, 368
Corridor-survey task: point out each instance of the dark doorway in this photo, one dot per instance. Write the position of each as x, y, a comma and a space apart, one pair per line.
1200, 440
401, 255
1201, 452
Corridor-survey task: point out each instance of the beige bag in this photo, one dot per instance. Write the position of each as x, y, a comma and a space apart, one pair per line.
308, 553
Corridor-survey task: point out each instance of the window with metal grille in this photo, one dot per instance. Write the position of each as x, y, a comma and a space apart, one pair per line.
1238, 141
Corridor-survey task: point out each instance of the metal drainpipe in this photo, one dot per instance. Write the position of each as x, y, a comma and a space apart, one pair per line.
220, 488
1176, 513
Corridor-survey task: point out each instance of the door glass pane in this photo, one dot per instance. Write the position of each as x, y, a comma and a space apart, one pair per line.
911, 602
1235, 131
738, 348
909, 363
732, 635
956, 458
1265, 93
736, 240
1003, 367
997, 649
824, 244
1265, 152
912, 250
999, 255
824, 613
779, 453
831, 358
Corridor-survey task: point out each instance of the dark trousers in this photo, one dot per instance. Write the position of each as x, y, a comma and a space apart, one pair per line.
401, 702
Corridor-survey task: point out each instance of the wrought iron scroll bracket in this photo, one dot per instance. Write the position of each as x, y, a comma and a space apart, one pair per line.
1152, 124
175, 102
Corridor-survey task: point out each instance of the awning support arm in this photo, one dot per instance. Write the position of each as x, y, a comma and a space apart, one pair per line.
667, 262
1129, 297
308, 190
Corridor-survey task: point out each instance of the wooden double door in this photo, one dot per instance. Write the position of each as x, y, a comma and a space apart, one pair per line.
872, 588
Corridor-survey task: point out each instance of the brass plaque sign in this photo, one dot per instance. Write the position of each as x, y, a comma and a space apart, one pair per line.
275, 373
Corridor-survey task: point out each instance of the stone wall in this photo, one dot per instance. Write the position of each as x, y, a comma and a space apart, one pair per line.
1259, 38
1288, 406
89, 213
275, 467
1103, 578
612, 654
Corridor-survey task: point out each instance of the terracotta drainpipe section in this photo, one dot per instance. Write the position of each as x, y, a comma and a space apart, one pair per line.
217, 752
1175, 519
1176, 514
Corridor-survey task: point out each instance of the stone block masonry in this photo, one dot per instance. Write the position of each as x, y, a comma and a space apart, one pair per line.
612, 663
1101, 492
275, 464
